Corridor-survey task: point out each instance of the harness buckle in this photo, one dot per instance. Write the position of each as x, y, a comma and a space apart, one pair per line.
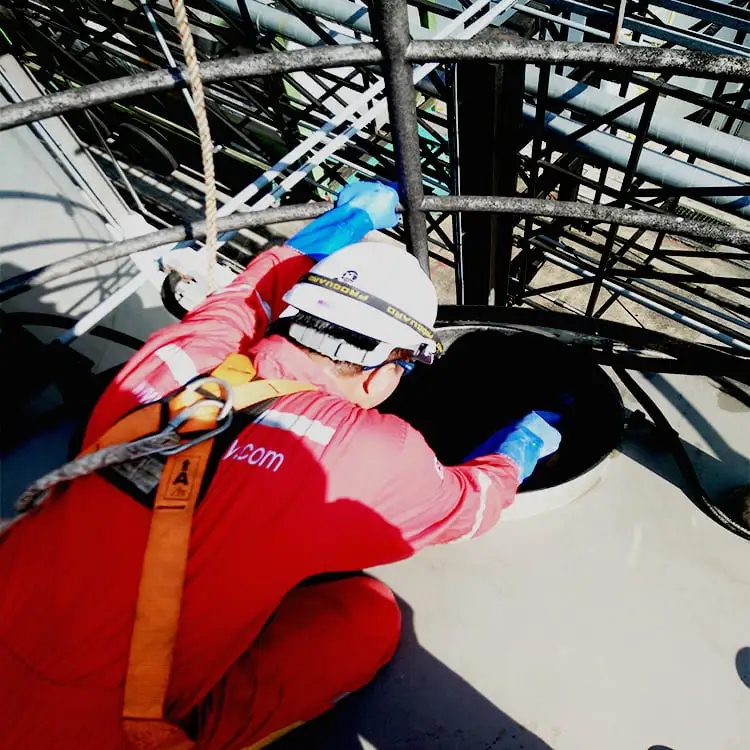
223, 402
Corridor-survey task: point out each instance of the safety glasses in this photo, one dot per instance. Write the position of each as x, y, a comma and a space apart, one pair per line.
407, 366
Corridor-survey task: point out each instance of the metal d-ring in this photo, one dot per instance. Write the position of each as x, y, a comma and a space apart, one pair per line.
223, 402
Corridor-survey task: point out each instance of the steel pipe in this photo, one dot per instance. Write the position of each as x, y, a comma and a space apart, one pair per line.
693, 40
247, 66
352, 15
592, 55
449, 204
445, 50
653, 165
697, 140
589, 212
116, 250
267, 17
402, 106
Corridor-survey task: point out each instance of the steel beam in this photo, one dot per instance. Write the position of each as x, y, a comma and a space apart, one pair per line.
590, 212
393, 30
488, 113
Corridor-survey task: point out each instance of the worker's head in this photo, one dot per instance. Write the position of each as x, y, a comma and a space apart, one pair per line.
366, 313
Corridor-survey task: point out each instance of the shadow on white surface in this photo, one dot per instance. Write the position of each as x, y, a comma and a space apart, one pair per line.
416, 702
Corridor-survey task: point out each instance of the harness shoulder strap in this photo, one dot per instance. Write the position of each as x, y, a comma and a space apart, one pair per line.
165, 562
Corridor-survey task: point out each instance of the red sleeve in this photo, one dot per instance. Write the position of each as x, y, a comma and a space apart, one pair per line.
435, 504
231, 320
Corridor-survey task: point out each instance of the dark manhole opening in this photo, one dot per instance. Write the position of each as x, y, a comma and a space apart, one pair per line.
489, 377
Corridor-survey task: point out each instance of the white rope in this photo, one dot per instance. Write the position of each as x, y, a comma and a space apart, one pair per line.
204, 133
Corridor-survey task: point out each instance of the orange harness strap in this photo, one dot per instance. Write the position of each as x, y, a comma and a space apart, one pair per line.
165, 560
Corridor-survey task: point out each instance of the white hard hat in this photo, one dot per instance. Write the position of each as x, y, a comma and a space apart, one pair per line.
374, 289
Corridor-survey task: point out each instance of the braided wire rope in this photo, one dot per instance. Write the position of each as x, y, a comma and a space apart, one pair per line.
82, 466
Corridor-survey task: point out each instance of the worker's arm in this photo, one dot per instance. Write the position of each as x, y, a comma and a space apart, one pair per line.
360, 207
451, 503
434, 504
242, 312
228, 321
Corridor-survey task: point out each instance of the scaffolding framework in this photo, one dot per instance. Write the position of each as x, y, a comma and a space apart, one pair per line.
615, 180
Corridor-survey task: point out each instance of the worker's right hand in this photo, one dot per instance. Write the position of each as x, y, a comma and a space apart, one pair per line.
524, 441
378, 201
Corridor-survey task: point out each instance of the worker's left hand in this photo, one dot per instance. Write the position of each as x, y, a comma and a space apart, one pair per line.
360, 208
377, 200
524, 441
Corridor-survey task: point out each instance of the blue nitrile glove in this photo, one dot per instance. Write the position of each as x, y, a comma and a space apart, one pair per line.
524, 441
377, 200
360, 208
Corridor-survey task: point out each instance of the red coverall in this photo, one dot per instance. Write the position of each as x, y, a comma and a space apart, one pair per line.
319, 485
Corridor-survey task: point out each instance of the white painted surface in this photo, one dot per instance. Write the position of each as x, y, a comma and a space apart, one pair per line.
46, 217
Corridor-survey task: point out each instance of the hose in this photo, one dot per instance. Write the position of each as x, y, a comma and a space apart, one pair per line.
697, 492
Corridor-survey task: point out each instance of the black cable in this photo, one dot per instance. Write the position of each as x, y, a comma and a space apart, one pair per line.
697, 494
169, 295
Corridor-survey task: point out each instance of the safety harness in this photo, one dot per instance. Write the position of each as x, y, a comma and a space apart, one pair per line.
162, 452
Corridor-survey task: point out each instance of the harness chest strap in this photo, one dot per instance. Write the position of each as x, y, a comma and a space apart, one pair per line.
165, 559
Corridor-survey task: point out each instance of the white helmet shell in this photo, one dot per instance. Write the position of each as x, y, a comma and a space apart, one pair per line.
379, 269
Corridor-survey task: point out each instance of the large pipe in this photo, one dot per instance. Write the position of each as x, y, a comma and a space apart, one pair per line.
683, 37
654, 166
355, 15
698, 140
352, 15
266, 17
293, 28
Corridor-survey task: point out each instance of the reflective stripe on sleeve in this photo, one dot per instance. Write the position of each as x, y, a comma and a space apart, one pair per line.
179, 363
484, 483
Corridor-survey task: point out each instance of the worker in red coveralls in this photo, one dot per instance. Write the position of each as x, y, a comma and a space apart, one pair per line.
319, 483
